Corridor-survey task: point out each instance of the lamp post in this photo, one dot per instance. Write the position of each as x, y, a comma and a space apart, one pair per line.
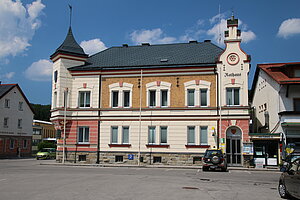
65, 121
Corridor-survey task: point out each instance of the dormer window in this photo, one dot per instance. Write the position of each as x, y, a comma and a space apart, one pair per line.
297, 73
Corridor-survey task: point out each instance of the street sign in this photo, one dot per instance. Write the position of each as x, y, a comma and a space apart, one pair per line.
130, 156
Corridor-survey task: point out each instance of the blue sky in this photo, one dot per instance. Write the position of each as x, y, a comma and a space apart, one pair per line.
31, 30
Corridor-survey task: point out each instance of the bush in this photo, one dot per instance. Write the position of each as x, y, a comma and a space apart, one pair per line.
46, 144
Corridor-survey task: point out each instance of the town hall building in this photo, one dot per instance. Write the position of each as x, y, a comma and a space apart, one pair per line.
151, 104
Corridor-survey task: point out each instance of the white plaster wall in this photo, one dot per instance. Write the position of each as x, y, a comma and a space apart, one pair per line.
13, 113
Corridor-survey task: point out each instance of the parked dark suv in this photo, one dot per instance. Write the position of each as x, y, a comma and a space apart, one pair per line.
214, 159
289, 182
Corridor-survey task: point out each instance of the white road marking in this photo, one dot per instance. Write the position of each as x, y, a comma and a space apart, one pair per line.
2, 179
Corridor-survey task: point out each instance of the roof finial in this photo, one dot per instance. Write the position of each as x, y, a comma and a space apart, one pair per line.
70, 14
232, 14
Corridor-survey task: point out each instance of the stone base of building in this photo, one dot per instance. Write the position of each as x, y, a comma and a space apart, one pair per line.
175, 159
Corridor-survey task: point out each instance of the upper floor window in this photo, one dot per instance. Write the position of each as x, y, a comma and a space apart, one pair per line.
233, 96
115, 99
5, 122
19, 123
120, 95
152, 98
83, 134
197, 93
20, 106
55, 76
203, 97
191, 97
84, 99
297, 73
7, 103
296, 104
158, 94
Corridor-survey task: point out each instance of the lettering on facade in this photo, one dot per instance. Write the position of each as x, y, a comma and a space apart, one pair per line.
232, 74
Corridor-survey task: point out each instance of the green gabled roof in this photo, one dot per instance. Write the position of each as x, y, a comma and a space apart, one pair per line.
70, 46
146, 55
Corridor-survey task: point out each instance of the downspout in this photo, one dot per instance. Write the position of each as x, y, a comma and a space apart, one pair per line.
218, 113
99, 116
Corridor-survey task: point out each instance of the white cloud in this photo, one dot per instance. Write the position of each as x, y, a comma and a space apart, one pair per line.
247, 36
93, 46
154, 36
39, 71
9, 75
217, 31
17, 25
289, 28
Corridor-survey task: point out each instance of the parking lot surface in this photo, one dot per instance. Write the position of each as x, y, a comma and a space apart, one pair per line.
28, 179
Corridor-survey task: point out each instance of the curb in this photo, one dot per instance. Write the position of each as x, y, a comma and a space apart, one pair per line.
155, 166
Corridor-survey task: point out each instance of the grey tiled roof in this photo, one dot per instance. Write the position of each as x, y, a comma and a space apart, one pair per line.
5, 89
193, 53
69, 46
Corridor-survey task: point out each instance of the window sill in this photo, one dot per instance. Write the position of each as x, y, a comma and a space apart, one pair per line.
157, 145
192, 146
119, 145
83, 144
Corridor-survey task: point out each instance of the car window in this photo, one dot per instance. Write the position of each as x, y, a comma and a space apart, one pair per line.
212, 153
44, 150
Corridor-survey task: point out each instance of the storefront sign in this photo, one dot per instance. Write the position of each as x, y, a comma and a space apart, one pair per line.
248, 148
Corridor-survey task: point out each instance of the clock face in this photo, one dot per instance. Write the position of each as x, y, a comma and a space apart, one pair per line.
233, 59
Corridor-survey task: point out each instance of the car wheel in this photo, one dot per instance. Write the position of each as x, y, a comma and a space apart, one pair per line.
224, 169
204, 169
282, 191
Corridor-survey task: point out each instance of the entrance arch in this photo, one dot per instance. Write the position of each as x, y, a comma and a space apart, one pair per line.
233, 146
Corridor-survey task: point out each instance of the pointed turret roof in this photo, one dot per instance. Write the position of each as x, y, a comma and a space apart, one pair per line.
70, 46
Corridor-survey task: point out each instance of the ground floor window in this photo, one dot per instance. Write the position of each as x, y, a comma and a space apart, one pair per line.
157, 159
82, 158
12, 144
119, 159
25, 144
83, 134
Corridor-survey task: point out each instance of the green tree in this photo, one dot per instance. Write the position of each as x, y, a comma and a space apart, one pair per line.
46, 144
41, 112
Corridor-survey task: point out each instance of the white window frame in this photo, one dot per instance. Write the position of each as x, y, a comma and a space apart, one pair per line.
226, 97
83, 134
188, 128
200, 136
111, 135
158, 86
160, 135
153, 139
127, 127
84, 103
197, 85
120, 87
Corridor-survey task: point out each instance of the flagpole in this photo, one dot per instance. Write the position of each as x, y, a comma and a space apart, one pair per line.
140, 119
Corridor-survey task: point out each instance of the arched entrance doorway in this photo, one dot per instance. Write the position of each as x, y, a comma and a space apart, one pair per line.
233, 146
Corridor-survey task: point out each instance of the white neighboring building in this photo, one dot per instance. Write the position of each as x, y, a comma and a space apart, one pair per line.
16, 117
276, 108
